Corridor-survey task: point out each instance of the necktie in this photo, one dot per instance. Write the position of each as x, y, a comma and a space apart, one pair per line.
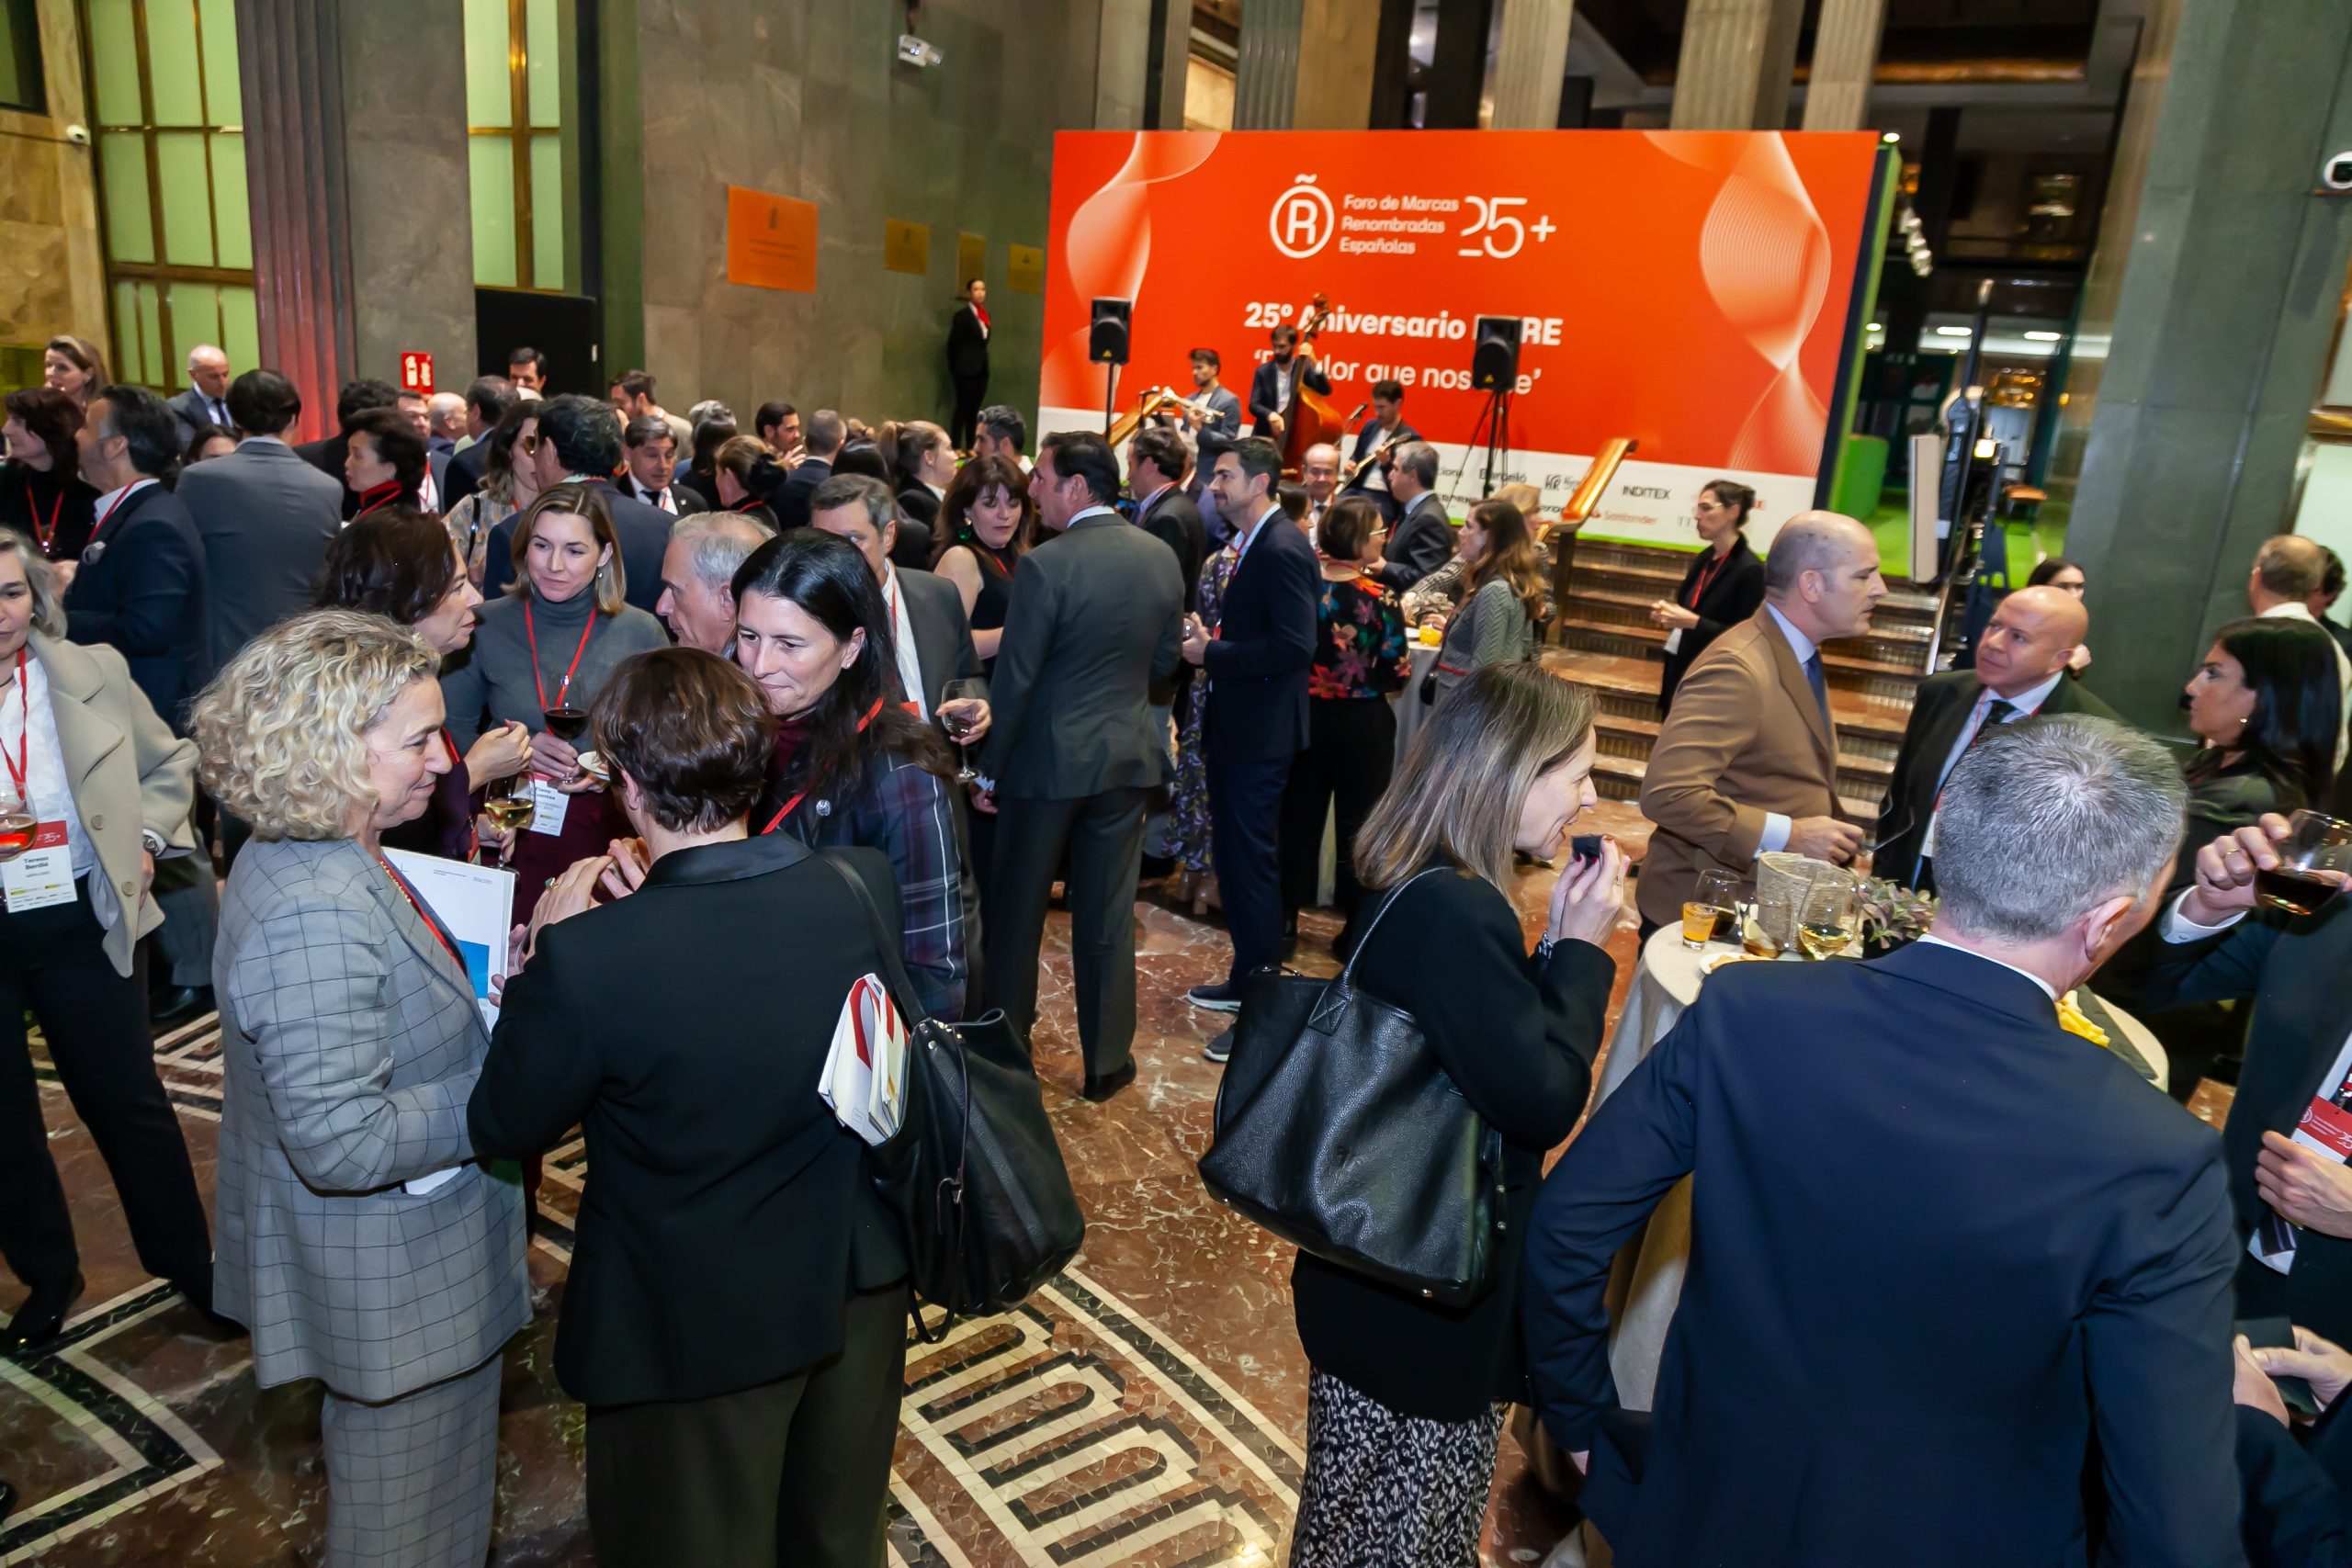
1994, 716
1820, 686
220, 413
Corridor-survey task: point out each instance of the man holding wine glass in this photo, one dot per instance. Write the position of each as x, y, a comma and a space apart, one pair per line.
2266, 921
931, 636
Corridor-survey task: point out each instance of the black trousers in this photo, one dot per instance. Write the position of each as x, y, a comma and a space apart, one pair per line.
1245, 813
792, 1472
1351, 752
54, 965
972, 392
1103, 837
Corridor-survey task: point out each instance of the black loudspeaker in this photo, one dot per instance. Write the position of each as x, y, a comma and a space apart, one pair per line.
1106, 339
1493, 360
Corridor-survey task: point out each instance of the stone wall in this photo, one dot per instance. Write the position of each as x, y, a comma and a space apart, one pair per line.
51, 279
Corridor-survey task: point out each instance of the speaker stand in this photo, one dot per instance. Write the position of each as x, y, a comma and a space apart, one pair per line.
1494, 422
1109, 395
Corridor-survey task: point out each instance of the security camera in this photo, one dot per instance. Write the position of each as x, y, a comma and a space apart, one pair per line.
913, 52
2337, 172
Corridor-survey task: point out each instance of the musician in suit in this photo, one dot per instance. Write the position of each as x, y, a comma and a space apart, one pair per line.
735, 1318
2021, 659
1939, 1240
328, 456
580, 442
1273, 386
822, 443
206, 400
968, 361
651, 464
358, 1237
487, 402
1422, 538
2293, 1204
1211, 413
265, 518
1748, 760
1096, 615
1724, 587
1386, 432
1254, 720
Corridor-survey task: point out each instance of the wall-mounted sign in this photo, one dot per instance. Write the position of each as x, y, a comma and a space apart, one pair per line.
416, 372
906, 247
771, 241
1024, 269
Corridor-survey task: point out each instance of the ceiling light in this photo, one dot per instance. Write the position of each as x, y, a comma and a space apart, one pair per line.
1954, 332
1891, 136
2045, 337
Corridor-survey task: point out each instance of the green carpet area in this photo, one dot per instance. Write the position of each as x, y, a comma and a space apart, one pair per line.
1892, 524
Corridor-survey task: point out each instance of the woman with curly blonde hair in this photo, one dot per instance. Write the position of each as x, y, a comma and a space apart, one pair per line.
358, 1239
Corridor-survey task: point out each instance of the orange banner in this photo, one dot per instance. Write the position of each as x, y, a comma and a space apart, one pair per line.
1688, 289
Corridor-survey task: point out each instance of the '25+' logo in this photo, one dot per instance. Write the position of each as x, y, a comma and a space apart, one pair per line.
1302, 221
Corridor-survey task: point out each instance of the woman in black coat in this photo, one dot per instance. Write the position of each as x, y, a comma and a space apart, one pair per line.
1406, 1397
1724, 587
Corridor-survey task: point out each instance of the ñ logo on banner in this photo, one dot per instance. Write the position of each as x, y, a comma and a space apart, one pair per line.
1302, 221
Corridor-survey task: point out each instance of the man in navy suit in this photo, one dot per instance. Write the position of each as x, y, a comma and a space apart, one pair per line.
1939, 1241
1256, 659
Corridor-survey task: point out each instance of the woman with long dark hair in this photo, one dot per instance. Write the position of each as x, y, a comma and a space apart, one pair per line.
1724, 587
42, 493
510, 481
1502, 597
986, 525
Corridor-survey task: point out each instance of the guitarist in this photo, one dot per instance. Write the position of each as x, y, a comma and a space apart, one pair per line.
1386, 432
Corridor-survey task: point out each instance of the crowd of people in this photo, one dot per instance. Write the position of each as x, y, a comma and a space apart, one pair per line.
708, 693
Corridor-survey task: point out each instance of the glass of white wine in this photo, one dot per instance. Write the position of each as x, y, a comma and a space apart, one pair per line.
508, 802
1826, 918
17, 824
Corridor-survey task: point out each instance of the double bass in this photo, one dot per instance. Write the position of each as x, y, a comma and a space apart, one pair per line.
1313, 419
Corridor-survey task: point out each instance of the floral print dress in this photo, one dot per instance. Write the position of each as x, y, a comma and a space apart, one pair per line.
1188, 810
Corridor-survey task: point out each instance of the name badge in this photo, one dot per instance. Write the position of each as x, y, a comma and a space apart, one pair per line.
2327, 1127
42, 876
548, 806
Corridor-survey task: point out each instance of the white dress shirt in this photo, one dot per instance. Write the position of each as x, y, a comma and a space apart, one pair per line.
902, 641
1777, 825
2027, 704
50, 793
1932, 940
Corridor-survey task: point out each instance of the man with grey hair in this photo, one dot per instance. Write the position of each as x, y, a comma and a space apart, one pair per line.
2287, 569
1422, 539
698, 601
1940, 1237
1748, 760
206, 402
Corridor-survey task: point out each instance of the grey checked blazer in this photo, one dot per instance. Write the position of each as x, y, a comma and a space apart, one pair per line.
351, 1042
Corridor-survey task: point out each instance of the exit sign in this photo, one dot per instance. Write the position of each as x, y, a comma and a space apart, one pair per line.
416, 373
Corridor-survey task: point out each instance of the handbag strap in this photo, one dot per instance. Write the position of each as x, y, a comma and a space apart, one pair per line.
894, 968
1336, 994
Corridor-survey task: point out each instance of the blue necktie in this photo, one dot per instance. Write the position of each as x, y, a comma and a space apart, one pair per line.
1820, 686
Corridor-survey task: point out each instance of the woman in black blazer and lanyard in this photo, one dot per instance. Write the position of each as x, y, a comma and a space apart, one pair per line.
1405, 1398
1724, 587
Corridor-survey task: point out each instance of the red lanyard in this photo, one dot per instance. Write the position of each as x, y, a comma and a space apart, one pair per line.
20, 769
119, 499
785, 809
391, 489
48, 535
409, 894
531, 630
1707, 574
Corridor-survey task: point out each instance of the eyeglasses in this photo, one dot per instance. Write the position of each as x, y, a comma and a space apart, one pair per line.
527, 445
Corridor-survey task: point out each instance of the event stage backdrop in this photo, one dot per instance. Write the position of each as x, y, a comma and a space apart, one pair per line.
1693, 289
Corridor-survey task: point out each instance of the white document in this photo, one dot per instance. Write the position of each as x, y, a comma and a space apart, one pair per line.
548, 806
865, 1075
476, 904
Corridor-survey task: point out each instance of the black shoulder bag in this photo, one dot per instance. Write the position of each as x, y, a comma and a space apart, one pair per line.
974, 1174
1338, 1131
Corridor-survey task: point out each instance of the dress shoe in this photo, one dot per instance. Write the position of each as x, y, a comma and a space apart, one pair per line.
1156, 867
175, 1005
1221, 1048
1101, 1088
41, 1319
1223, 997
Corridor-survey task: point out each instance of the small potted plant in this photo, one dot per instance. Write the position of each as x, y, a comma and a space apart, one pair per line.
1893, 914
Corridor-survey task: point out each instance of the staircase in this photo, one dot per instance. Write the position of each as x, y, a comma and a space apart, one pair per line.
1608, 644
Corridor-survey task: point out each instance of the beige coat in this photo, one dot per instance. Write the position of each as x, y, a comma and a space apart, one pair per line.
1746, 737
128, 773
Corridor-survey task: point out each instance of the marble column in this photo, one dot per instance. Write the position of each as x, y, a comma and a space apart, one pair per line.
1738, 57
1845, 58
1122, 64
1305, 66
2206, 325
1531, 62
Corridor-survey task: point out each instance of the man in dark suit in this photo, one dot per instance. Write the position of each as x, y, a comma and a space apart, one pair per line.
2298, 1481
822, 443
1273, 386
1256, 660
1383, 436
1097, 614
1938, 1241
2293, 1202
356, 399
206, 402
933, 636
1421, 539
651, 466
265, 515
580, 442
2020, 671
487, 402
967, 362
2321, 603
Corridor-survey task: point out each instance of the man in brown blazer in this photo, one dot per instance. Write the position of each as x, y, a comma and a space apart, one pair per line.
1748, 760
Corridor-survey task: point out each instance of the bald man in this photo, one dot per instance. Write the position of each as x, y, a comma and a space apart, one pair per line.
206, 402
1751, 765
2021, 670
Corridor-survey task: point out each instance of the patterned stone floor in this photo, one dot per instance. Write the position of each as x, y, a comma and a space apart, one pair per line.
1145, 1408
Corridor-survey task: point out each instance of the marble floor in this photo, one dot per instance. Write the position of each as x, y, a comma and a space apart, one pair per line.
1146, 1408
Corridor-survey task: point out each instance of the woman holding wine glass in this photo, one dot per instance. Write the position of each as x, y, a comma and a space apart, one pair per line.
93, 787
539, 655
400, 564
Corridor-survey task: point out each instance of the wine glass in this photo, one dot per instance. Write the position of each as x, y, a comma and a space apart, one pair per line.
509, 802
958, 727
1826, 918
1710, 910
17, 824
2315, 863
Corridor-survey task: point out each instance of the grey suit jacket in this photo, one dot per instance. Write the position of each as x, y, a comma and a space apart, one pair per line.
943, 649
266, 517
350, 1043
188, 407
1096, 615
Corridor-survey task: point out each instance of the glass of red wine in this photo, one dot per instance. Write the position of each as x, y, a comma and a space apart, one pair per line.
17, 826
2315, 865
566, 724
